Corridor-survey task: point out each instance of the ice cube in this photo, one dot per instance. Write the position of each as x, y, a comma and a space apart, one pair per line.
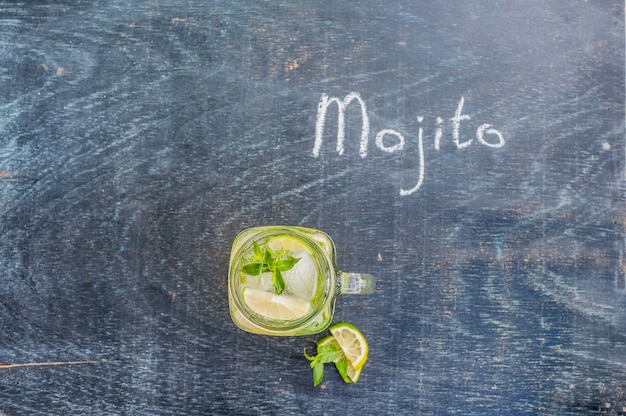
301, 280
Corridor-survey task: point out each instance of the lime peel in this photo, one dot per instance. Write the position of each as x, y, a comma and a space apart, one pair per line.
346, 342
273, 306
352, 342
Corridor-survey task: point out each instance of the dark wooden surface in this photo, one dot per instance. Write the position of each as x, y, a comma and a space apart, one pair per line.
138, 138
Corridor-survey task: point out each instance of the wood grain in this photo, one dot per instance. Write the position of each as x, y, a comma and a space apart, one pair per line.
137, 139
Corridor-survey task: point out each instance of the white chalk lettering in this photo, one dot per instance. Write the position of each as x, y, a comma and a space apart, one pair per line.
456, 125
381, 145
392, 141
487, 128
420, 150
438, 133
322, 108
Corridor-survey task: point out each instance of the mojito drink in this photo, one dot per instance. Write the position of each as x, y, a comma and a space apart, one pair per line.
282, 280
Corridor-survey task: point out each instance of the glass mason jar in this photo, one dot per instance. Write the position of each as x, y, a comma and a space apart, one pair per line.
299, 298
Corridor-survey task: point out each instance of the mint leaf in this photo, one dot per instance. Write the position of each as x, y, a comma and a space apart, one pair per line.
257, 249
325, 354
328, 353
278, 281
253, 269
342, 368
267, 260
318, 374
286, 264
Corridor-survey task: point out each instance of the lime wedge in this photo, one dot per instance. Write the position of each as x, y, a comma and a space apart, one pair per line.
352, 373
352, 343
273, 306
326, 340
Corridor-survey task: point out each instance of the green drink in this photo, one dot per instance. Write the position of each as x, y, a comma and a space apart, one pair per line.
284, 281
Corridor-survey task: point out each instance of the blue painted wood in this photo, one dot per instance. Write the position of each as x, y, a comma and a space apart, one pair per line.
137, 139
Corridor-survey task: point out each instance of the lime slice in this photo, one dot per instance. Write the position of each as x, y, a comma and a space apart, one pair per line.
273, 306
352, 373
287, 242
352, 343
326, 340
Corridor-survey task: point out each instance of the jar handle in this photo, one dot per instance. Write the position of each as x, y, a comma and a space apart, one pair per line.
355, 283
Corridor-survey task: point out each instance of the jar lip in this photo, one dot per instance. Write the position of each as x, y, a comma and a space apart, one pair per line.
325, 268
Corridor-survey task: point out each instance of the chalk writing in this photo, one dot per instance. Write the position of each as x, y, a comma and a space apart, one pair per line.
391, 141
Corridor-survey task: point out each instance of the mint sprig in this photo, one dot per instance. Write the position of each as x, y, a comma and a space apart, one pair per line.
268, 260
327, 353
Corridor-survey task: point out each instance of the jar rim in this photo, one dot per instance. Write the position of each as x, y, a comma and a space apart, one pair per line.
324, 268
